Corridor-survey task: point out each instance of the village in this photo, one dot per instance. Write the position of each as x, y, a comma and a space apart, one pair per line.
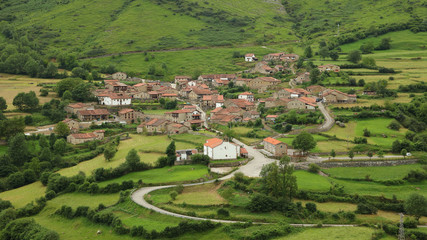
199, 105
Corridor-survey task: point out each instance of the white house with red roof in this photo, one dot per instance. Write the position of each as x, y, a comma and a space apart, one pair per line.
250, 57
247, 96
218, 149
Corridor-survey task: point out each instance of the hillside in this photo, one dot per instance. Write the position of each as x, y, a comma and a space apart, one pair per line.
94, 27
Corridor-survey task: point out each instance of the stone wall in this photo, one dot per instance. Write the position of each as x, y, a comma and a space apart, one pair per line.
382, 163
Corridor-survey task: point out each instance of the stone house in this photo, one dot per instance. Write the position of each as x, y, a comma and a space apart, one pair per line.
72, 124
141, 87
263, 83
240, 103
289, 57
218, 149
273, 56
282, 93
210, 77
115, 86
275, 147
303, 78
155, 125
129, 115
329, 67
119, 76
277, 102
242, 81
198, 93
93, 115
176, 128
182, 78
183, 115
296, 104
315, 89
271, 118
79, 138
335, 96
73, 108
213, 101
253, 115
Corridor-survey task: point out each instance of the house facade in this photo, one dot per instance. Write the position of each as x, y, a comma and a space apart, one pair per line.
250, 57
129, 115
329, 67
247, 96
79, 138
115, 99
218, 149
119, 76
275, 147
93, 115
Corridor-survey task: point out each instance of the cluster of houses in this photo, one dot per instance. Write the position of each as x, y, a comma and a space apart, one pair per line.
272, 63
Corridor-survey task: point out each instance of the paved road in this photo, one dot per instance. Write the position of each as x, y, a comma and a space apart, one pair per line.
329, 121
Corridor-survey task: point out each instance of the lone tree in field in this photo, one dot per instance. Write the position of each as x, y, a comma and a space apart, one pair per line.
416, 205
354, 56
308, 53
171, 153
304, 142
62, 129
132, 159
279, 180
110, 151
351, 154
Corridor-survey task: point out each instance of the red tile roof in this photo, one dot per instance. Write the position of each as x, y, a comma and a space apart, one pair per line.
94, 112
246, 93
213, 142
272, 141
83, 135
243, 151
155, 122
126, 110
268, 79
272, 116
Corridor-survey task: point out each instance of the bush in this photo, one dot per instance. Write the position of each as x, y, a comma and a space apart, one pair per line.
173, 195
314, 168
410, 223
311, 207
50, 195
261, 203
223, 212
366, 208
394, 125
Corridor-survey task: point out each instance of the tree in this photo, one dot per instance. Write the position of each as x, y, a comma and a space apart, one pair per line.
308, 53
396, 147
51, 70
173, 195
82, 92
333, 154
324, 52
416, 205
132, 159
3, 105
279, 180
18, 150
62, 129
354, 56
79, 72
32, 68
10, 127
60, 146
351, 154
67, 95
67, 84
16, 180
380, 154
334, 55
404, 152
314, 75
45, 155
96, 75
110, 151
369, 61
171, 153
366, 132
361, 82
304, 142
384, 45
26, 101
367, 48
67, 61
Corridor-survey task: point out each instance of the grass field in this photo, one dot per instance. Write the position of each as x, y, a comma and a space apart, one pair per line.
305, 181
376, 173
342, 233
200, 195
11, 85
324, 145
20, 197
154, 144
164, 175
377, 126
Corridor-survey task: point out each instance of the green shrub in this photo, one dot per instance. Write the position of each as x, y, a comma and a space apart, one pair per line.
311, 207
223, 212
314, 168
366, 208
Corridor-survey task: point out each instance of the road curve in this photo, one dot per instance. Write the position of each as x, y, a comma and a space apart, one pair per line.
329, 121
